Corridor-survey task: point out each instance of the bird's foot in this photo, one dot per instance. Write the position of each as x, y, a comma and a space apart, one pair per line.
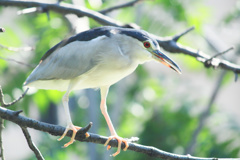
74, 129
120, 140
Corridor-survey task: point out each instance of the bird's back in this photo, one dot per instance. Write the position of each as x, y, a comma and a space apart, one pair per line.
85, 53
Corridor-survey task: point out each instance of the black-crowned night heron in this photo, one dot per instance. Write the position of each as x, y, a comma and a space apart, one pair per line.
96, 58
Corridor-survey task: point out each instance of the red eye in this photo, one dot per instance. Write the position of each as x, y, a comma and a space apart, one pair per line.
146, 44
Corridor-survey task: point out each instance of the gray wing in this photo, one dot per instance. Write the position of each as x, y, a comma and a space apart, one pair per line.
67, 62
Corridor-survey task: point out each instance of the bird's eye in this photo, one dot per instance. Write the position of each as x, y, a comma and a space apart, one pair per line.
146, 44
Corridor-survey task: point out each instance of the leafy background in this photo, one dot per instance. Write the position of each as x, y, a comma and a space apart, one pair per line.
155, 104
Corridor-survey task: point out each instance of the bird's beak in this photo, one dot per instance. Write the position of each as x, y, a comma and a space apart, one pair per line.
160, 57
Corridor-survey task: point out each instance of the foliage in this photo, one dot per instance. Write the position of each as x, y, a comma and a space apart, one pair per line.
147, 111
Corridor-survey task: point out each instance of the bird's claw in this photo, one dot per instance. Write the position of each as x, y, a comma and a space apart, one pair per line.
120, 140
74, 129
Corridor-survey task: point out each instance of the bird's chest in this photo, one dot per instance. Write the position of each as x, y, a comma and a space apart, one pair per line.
105, 75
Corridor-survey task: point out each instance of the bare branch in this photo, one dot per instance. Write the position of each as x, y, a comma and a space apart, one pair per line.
177, 37
65, 8
17, 49
19, 62
169, 43
208, 63
221, 53
85, 129
16, 113
1, 142
13, 102
128, 4
94, 138
31, 144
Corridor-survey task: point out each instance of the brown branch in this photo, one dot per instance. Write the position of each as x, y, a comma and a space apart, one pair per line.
13, 102
31, 144
94, 138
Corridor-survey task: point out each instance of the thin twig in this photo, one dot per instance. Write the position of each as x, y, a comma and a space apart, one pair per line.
16, 113
14, 49
176, 37
221, 53
18, 62
31, 145
65, 8
128, 4
94, 138
209, 62
205, 114
169, 43
1, 139
13, 102
85, 129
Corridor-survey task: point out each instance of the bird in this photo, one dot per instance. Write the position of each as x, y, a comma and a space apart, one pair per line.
96, 58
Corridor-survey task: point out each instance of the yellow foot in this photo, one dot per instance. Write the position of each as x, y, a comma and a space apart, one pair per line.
120, 140
74, 129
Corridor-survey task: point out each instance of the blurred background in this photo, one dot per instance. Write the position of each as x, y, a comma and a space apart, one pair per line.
194, 113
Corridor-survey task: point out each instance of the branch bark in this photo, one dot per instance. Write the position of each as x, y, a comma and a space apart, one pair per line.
65, 8
168, 43
1, 142
94, 138
11, 103
31, 144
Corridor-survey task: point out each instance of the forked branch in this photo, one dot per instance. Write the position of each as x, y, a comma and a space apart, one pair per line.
94, 138
170, 44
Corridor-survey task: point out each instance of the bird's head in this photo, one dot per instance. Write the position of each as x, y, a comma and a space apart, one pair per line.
152, 46
149, 47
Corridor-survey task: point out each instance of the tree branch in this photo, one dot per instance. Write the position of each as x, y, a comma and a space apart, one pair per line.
65, 8
18, 62
13, 102
17, 49
169, 43
31, 144
94, 138
1, 142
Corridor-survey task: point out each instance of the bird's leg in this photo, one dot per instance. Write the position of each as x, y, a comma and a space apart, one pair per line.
103, 107
70, 125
